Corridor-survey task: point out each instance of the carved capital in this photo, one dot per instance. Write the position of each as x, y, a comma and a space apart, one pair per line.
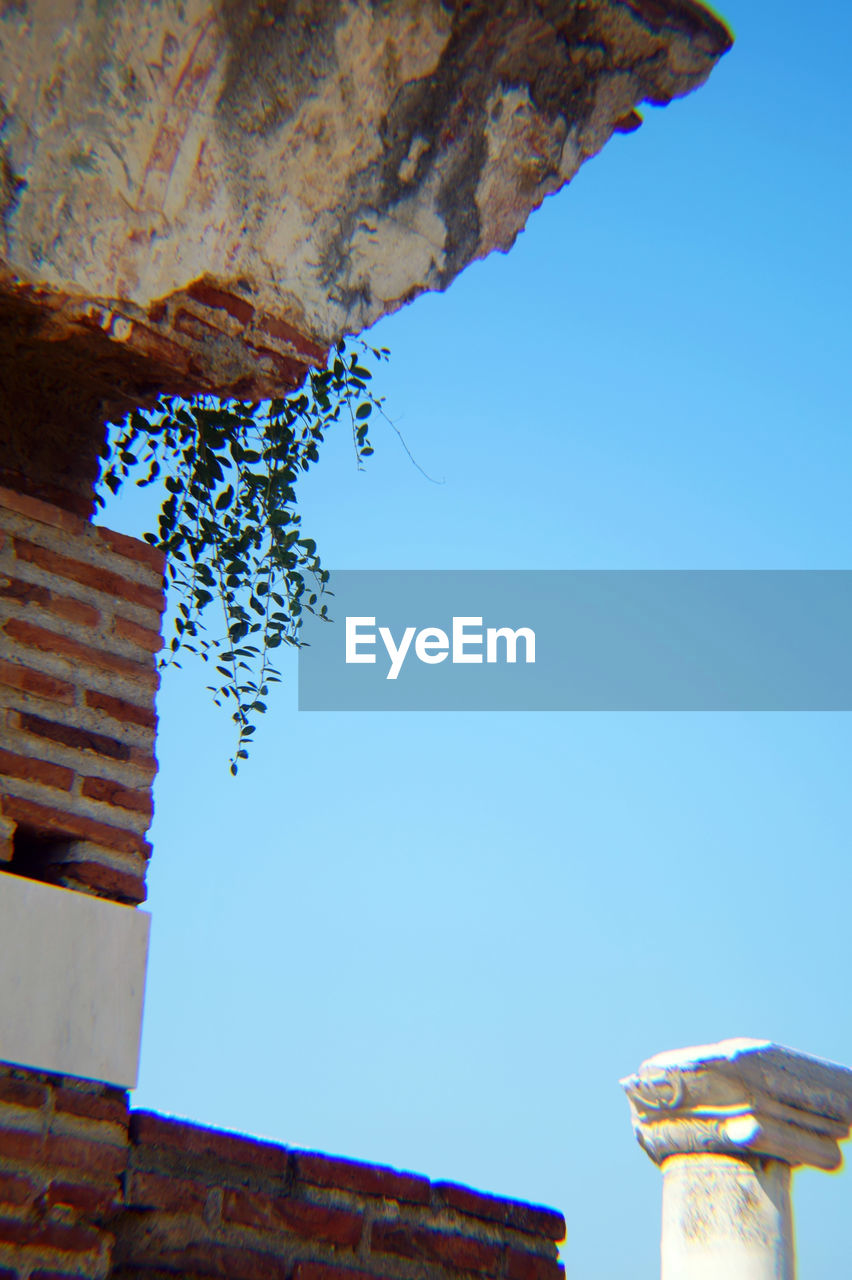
742, 1098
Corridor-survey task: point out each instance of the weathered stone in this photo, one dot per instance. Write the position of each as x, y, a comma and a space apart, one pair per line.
727, 1123
203, 196
726, 1217
742, 1097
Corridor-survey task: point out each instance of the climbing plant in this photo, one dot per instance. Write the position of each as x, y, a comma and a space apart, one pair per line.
229, 522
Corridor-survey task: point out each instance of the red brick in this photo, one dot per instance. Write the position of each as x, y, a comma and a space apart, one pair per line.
297, 1217
120, 709
49, 821
284, 332
35, 637
15, 1190
112, 1107
36, 682
20, 1093
157, 349
85, 1197
49, 1235
121, 886
153, 1191
532, 1266
23, 592
460, 1252
532, 1219
70, 736
145, 760
110, 792
132, 549
150, 1130
145, 637
209, 296
89, 575
43, 512
16, 1144
52, 775
371, 1180
82, 1155
53, 495
291, 372
31, 593
85, 615
199, 330
224, 1262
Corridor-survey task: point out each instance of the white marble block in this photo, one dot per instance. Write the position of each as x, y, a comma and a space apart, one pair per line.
72, 981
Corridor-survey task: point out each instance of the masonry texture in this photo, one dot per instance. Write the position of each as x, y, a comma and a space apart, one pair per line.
91, 1189
80, 625
202, 197
88, 1189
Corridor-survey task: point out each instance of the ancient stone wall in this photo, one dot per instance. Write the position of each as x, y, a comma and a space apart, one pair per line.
63, 1147
90, 1189
201, 198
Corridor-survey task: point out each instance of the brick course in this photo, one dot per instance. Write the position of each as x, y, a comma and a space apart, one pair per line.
92, 1190
203, 1202
79, 627
57, 1188
324, 1171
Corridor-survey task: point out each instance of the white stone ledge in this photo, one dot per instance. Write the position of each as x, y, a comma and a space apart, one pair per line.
72, 981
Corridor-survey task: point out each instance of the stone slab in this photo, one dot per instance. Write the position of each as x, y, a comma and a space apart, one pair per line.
72, 981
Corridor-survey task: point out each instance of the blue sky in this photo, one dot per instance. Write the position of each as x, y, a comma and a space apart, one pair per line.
437, 941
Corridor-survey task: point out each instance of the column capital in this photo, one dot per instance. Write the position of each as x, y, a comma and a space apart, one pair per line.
743, 1098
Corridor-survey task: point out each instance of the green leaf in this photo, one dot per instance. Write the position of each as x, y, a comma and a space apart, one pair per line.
229, 521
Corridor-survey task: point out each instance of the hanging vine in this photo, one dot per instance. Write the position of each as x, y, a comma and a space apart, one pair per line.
229, 523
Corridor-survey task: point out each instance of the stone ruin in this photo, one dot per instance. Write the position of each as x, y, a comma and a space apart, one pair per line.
204, 196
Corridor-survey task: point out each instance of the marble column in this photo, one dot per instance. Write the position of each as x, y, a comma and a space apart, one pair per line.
728, 1123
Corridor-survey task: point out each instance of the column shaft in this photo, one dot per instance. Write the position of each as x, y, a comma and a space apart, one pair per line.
725, 1217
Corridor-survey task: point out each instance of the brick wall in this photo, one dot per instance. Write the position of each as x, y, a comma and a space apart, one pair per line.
89, 1189
63, 1148
206, 1203
80, 620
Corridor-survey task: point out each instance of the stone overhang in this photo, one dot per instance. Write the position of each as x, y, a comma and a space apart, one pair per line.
204, 197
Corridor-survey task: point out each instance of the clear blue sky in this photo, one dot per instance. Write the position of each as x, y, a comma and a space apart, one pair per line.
437, 941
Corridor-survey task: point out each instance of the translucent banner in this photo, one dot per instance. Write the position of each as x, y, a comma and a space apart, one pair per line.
591, 640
